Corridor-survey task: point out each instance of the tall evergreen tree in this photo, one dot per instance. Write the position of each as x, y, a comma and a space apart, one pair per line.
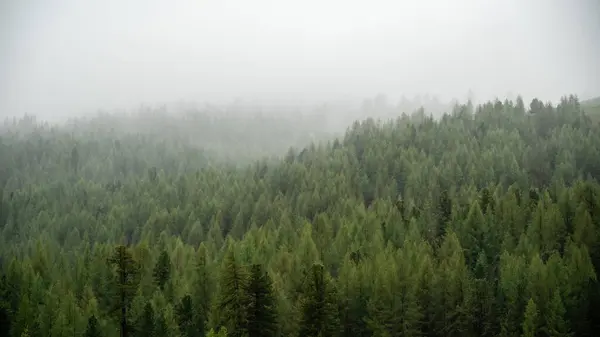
556, 325
318, 307
162, 270
202, 291
531, 320
185, 317
126, 274
262, 313
233, 298
146, 322
92, 330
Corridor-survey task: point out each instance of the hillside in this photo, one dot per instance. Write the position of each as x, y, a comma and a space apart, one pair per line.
592, 107
591, 102
482, 223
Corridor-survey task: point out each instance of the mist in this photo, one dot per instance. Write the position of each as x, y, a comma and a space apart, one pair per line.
66, 58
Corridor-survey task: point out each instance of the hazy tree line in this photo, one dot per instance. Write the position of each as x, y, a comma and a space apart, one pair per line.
484, 222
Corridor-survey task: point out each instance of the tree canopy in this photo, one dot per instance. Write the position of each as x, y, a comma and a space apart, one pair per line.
482, 222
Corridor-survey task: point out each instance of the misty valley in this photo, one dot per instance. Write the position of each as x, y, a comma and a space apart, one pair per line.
409, 219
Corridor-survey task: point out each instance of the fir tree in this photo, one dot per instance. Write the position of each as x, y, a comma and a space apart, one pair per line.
202, 291
92, 329
126, 275
318, 307
233, 299
262, 319
556, 325
185, 317
162, 270
531, 320
146, 323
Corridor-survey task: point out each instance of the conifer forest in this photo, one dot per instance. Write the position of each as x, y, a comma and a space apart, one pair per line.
482, 221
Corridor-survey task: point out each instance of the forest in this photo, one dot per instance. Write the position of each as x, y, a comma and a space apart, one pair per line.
482, 221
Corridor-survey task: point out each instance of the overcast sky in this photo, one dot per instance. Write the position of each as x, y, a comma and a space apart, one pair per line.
66, 57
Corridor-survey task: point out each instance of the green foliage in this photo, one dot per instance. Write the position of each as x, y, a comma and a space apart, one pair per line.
202, 291
222, 332
92, 329
318, 309
233, 298
531, 320
146, 323
185, 317
126, 281
482, 222
162, 270
262, 311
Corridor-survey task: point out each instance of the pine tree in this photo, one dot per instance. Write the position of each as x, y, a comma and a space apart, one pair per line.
185, 317
483, 310
162, 270
233, 299
126, 275
353, 299
531, 320
146, 323
452, 290
74, 159
473, 234
444, 212
318, 307
92, 329
262, 313
556, 325
222, 332
161, 325
202, 292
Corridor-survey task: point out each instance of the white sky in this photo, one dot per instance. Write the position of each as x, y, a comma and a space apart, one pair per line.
70, 56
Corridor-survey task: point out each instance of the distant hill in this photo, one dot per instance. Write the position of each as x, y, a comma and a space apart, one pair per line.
593, 102
592, 107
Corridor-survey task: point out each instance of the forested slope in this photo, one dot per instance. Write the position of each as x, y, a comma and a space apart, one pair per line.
592, 107
482, 223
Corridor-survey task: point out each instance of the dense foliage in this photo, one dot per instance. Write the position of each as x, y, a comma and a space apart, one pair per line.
484, 222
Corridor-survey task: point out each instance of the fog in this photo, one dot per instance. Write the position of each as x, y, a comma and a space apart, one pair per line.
64, 58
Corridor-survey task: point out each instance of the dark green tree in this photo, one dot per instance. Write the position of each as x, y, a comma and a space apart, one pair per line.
162, 270
556, 325
262, 313
233, 298
126, 279
92, 329
146, 322
318, 306
202, 291
531, 320
185, 317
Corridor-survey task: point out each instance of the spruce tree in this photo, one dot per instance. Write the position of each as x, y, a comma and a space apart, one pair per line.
556, 325
233, 299
185, 317
126, 274
262, 314
318, 306
202, 291
530, 320
146, 323
92, 329
162, 270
